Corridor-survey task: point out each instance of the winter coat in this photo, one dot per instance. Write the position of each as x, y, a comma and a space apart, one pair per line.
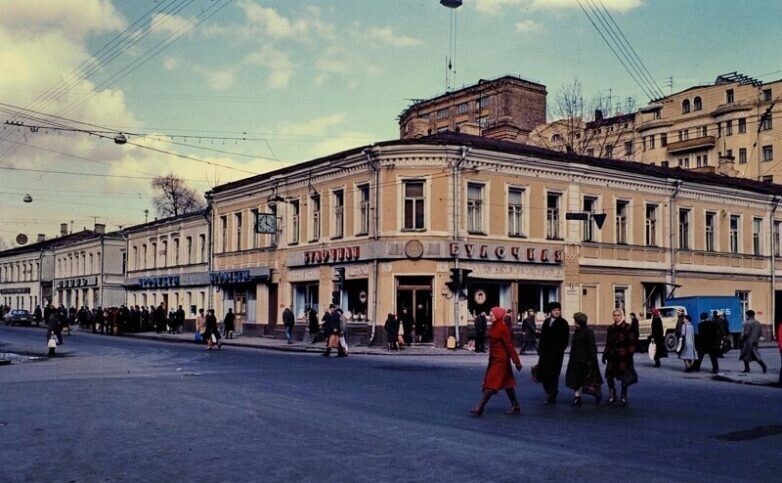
658, 336
750, 338
480, 325
228, 322
392, 328
554, 336
618, 353
331, 323
499, 374
288, 320
707, 339
582, 367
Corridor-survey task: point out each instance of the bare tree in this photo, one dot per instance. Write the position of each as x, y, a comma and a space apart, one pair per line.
173, 197
580, 129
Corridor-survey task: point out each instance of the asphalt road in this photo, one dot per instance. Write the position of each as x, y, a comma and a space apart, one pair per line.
110, 408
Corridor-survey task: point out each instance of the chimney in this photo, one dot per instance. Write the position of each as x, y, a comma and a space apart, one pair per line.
100, 228
598, 114
41, 237
63, 229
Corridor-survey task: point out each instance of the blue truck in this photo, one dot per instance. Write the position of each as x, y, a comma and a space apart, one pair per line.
730, 306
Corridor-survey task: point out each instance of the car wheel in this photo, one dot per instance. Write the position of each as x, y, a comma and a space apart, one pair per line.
670, 342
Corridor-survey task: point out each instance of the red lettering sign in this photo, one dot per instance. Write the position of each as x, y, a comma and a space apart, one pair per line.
484, 251
515, 252
468, 248
454, 247
499, 252
558, 256
544, 255
531, 254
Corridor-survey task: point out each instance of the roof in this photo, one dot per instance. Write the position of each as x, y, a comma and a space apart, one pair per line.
608, 121
52, 242
507, 147
163, 221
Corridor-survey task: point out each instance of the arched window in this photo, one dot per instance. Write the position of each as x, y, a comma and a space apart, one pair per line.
685, 106
697, 105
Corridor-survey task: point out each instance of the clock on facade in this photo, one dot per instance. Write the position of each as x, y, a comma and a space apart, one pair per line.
265, 223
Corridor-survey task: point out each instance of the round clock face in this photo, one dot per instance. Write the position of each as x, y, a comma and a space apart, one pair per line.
414, 249
21, 239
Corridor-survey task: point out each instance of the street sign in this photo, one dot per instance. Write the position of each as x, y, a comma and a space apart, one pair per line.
599, 218
575, 215
265, 223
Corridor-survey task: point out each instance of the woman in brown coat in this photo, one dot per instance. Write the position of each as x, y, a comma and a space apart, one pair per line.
618, 357
499, 374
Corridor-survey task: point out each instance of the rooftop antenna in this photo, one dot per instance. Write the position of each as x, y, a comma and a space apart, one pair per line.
669, 83
449, 70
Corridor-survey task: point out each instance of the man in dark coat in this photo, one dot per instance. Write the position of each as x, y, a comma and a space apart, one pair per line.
707, 342
180, 319
530, 332
313, 325
288, 320
407, 325
480, 332
658, 336
554, 338
159, 318
332, 327
228, 324
392, 332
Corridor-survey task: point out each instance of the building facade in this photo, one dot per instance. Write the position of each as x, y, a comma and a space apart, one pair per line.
380, 229
168, 263
90, 272
507, 107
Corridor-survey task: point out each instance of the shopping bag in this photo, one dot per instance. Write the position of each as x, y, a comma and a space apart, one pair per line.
652, 350
214, 339
52, 344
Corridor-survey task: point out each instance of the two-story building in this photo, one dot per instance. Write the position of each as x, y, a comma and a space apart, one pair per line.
168, 263
382, 228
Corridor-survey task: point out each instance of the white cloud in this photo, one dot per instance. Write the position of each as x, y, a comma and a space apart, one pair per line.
495, 7
217, 79
314, 127
163, 22
530, 26
277, 63
74, 19
387, 36
274, 25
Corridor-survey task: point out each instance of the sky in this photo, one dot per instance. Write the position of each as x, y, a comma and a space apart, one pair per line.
219, 90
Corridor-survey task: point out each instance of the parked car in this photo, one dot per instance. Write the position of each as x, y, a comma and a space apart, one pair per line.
19, 317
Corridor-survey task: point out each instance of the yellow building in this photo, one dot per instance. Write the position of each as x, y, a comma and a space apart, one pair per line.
396, 218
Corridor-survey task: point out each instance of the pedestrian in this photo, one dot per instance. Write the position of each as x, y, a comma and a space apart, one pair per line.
499, 374
392, 331
313, 326
583, 371
779, 343
53, 329
618, 357
37, 315
211, 333
180, 319
288, 320
529, 330
634, 325
749, 342
228, 324
554, 337
200, 326
159, 318
687, 335
480, 332
406, 321
331, 327
658, 337
707, 342
343, 331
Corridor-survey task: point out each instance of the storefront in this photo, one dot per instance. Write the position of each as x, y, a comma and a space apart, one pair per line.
237, 290
189, 290
78, 292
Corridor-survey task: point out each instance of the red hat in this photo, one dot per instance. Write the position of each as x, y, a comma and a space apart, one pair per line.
498, 313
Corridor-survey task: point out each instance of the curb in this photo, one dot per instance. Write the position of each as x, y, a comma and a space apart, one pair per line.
768, 381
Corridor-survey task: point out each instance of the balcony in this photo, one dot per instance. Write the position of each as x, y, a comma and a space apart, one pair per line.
702, 142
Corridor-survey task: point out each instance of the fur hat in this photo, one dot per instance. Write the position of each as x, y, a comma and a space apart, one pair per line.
554, 305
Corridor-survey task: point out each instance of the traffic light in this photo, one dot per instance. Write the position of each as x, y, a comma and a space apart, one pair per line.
456, 281
339, 277
465, 278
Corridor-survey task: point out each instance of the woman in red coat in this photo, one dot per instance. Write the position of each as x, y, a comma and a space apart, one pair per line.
499, 374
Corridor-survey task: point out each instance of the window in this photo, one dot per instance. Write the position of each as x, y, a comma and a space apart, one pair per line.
463, 108
704, 131
144, 256
663, 140
766, 95
482, 102
515, 211
651, 141
238, 227
684, 229
697, 105
164, 252
483, 121
474, 208
339, 214
621, 222
768, 178
154, 255
710, 229
729, 154
742, 125
274, 237
442, 113
629, 148
295, 221
135, 257
414, 205
363, 209
702, 160
685, 106
223, 232
776, 238
176, 252
202, 243
255, 237
719, 129
768, 153
743, 296
765, 122
651, 225
610, 151
734, 233
729, 96
590, 204
189, 248
742, 155
757, 229
590, 152
552, 216
729, 128
315, 207
620, 297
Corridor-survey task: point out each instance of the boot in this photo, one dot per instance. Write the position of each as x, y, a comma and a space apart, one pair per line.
514, 403
611, 397
763, 366
746, 367
478, 410
623, 399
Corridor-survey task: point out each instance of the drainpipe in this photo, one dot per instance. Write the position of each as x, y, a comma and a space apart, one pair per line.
774, 206
209, 216
102, 266
672, 237
455, 237
375, 167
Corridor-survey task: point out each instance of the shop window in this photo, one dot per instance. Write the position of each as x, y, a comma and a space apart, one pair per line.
515, 211
357, 292
305, 297
475, 207
414, 205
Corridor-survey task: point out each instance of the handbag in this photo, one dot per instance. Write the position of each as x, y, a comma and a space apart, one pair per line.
679, 345
214, 339
333, 341
652, 350
52, 343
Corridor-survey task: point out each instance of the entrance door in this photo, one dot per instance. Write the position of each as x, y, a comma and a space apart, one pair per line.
240, 309
272, 305
415, 294
165, 301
